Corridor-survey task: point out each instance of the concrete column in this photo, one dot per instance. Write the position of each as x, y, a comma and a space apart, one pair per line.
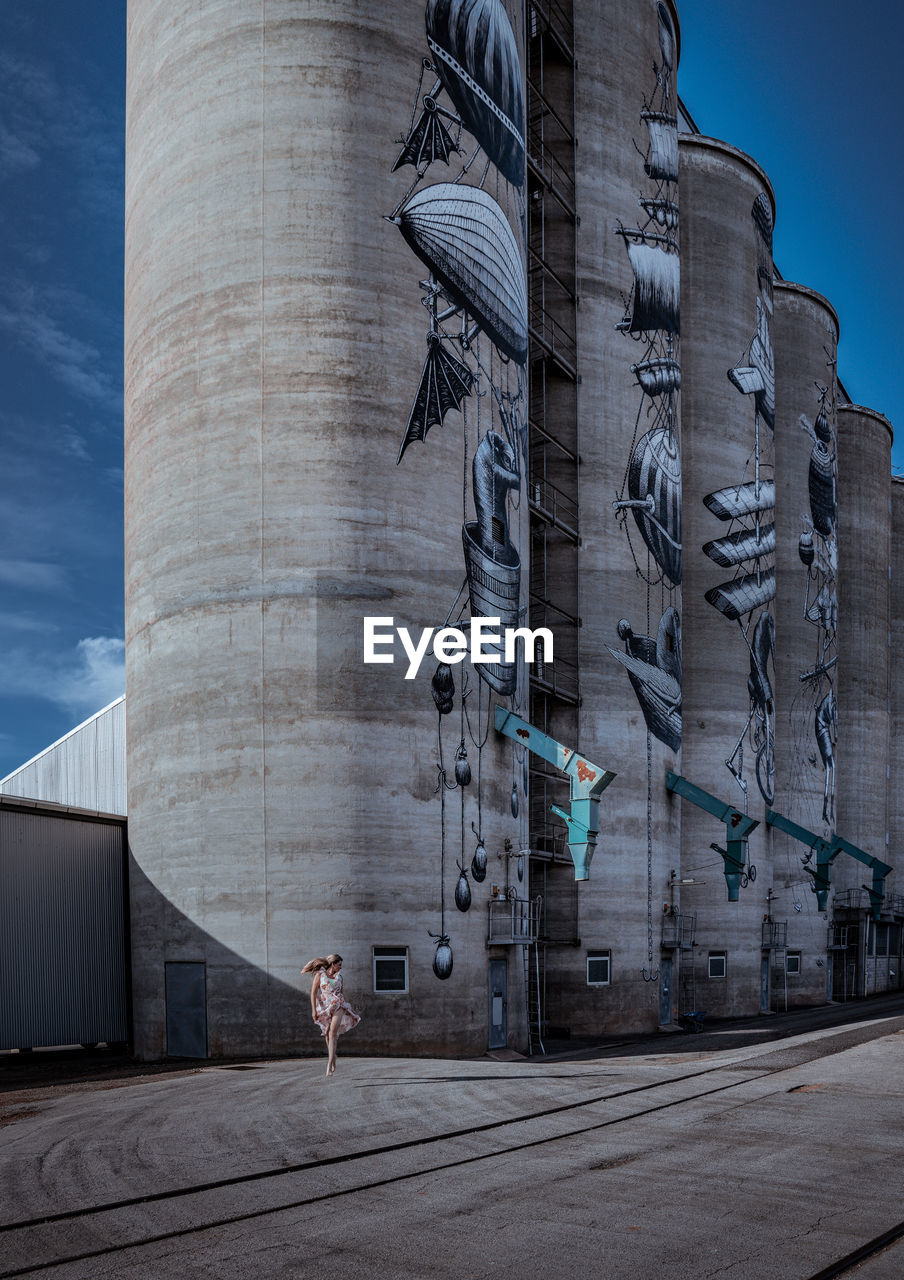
631, 556
283, 795
864, 635
806, 613
896, 689
728, 513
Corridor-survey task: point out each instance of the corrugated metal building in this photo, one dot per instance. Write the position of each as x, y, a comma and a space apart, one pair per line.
63, 926
86, 768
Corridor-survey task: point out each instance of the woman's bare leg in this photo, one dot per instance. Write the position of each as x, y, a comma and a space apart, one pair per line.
331, 1037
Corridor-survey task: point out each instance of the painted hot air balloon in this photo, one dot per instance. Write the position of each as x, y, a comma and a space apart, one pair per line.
476, 58
821, 484
823, 428
463, 236
666, 36
654, 489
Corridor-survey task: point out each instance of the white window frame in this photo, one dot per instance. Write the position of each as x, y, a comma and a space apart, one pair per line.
379, 953
717, 955
599, 955
793, 970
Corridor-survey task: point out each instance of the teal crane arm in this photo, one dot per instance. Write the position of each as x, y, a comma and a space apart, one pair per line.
738, 827
825, 850
879, 869
588, 782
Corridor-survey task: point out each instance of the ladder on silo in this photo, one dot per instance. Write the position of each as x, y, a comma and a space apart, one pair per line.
532, 995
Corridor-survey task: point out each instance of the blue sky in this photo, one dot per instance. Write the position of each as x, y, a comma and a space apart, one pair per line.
61, 172
808, 88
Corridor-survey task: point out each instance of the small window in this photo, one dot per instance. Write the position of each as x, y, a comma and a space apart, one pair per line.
717, 964
391, 969
793, 964
598, 964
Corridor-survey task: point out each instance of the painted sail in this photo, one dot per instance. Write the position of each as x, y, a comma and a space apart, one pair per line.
662, 163
742, 595
464, 237
747, 378
757, 377
663, 212
763, 360
475, 54
741, 499
658, 377
745, 544
654, 669
655, 299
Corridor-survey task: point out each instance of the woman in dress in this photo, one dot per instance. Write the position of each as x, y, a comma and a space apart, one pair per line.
329, 1007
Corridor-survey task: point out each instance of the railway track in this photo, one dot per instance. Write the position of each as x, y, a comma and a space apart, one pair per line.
127, 1226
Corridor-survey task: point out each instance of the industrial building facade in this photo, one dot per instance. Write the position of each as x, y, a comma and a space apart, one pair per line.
452, 316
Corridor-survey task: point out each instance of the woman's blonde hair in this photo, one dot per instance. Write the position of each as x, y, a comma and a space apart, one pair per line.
321, 962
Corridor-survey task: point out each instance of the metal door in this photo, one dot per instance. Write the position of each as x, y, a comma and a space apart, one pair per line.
186, 1009
498, 1023
665, 992
764, 982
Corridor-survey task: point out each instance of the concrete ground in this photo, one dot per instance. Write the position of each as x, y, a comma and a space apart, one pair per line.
771, 1149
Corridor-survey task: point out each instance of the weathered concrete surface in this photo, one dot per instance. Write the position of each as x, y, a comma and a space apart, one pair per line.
806, 339
864, 584
896, 737
726, 285
282, 794
728, 1153
617, 45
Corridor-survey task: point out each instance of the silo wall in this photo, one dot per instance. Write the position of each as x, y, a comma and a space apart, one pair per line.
896, 692
728, 407
630, 490
864, 587
284, 797
807, 748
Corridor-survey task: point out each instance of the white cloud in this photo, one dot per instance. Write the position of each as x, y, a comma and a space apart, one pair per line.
35, 575
81, 682
75, 363
25, 622
74, 443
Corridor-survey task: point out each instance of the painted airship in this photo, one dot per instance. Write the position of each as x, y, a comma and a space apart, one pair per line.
476, 57
463, 236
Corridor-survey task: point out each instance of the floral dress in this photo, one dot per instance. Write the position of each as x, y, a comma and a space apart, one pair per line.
327, 1000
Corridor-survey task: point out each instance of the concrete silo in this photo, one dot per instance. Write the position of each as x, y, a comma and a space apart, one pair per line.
806, 615
626, 274
864, 721
287, 799
728, 415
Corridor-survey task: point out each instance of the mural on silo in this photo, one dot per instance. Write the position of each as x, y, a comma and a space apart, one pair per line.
747, 545
651, 486
468, 231
814, 714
